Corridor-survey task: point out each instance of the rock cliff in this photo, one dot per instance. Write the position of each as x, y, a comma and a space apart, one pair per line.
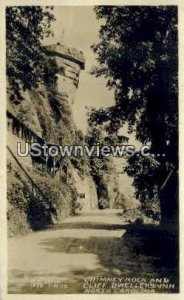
37, 198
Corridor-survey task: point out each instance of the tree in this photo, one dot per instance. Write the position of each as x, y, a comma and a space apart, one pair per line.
137, 54
26, 27
99, 165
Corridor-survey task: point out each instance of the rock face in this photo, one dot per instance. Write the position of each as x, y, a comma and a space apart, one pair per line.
41, 198
87, 196
47, 109
69, 63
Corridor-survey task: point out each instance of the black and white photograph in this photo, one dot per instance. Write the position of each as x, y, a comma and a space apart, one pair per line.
92, 149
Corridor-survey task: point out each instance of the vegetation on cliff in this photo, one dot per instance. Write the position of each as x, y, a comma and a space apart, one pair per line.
36, 197
100, 167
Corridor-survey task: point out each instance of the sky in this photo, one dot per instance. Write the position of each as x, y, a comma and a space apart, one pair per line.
77, 26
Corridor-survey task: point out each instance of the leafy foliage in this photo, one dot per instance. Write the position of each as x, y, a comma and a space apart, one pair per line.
26, 27
99, 165
137, 54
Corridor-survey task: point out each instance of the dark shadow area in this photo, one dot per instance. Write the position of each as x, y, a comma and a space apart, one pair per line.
38, 216
134, 228
90, 225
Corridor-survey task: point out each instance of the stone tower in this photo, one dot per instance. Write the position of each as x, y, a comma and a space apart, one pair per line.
69, 63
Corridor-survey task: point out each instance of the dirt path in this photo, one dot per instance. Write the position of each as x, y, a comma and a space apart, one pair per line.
62, 259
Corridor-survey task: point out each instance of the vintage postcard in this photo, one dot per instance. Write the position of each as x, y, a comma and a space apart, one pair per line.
91, 170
